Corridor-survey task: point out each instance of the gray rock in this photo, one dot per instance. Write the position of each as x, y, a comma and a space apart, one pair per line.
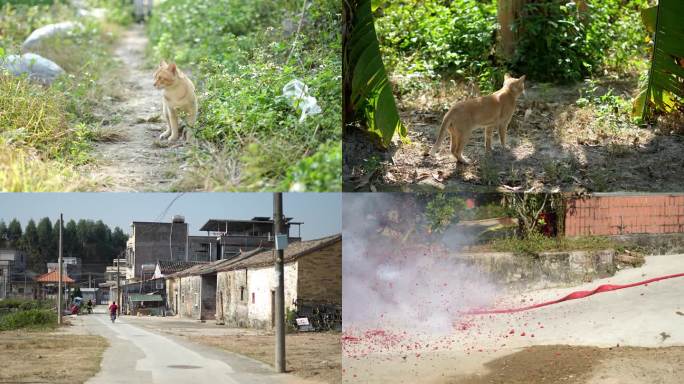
96, 13
35, 66
51, 30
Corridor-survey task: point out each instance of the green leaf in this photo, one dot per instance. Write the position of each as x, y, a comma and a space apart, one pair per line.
663, 90
371, 93
648, 17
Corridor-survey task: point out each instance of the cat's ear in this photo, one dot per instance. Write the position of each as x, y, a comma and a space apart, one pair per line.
522, 78
172, 68
506, 76
163, 63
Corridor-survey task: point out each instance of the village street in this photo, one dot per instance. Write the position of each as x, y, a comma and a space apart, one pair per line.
137, 355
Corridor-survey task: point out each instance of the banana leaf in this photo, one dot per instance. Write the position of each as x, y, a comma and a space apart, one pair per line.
664, 89
369, 92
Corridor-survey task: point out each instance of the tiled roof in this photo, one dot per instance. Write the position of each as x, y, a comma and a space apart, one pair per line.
168, 267
204, 269
53, 277
260, 257
292, 252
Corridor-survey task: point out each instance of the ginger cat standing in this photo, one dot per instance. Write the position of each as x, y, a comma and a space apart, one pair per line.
178, 94
491, 112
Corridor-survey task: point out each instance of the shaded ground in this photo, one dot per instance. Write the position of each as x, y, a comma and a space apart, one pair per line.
49, 357
554, 145
136, 160
583, 365
315, 357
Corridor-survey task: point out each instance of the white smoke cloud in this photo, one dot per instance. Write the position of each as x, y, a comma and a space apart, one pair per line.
396, 276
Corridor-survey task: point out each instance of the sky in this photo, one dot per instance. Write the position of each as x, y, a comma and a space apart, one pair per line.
320, 212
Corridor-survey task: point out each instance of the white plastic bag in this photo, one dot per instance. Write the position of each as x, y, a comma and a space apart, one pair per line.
297, 95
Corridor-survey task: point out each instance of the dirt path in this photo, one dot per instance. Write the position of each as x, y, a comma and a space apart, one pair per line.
554, 148
137, 162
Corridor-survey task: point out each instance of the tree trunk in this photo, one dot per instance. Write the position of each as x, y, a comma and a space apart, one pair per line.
508, 13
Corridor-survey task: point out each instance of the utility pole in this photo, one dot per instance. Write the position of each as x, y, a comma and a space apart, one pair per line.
59, 273
280, 285
118, 285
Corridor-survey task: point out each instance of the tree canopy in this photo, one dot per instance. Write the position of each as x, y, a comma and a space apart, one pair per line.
92, 241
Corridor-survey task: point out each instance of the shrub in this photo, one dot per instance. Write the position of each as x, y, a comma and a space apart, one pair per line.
32, 318
561, 43
438, 37
321, 172
24, 304
240, 61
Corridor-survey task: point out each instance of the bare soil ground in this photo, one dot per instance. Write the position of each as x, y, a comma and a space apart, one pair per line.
135, 160
316, 356
583, 365
30, 357
553, 145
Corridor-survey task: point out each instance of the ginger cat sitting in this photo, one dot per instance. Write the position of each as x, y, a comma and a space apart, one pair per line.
491, 112
178, 94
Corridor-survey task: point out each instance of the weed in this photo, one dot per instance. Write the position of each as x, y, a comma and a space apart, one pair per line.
31, 318
240, 63
46, 131
489, 171
535, 243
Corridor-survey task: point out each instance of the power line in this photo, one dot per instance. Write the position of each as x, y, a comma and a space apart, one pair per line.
166, 210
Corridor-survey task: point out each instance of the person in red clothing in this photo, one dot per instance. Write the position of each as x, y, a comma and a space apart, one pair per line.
112, 310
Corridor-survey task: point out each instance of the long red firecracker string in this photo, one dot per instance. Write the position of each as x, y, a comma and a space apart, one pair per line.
572, 296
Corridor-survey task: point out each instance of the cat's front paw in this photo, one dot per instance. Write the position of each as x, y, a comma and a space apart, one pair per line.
173, 138
463, 160
164, 135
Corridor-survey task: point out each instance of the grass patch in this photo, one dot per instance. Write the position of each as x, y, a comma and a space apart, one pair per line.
240, 61
24, 304
29, 319
46, 132
48, 357
22, 171
536, 243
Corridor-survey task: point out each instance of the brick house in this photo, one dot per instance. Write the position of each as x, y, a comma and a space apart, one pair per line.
240, 291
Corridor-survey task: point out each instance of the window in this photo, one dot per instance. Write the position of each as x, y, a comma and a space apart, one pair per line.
242, 293
21, 290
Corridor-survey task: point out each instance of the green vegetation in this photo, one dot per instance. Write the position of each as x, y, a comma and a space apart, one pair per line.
443, 210
534, 243
565, 42
557, 41
241, 55
662, 91
46, 131
31, 319
367, 92
93, 241
24, 304
435, 37
23, 313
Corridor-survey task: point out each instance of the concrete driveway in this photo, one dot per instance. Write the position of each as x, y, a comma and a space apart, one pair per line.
645, 316
138, 355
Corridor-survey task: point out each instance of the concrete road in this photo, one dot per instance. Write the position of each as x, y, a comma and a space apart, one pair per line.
137, 355
644, 316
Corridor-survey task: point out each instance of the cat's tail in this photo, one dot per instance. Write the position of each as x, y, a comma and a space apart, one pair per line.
441, 134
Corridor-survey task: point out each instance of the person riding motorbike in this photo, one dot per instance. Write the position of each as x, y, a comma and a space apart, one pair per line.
112, 311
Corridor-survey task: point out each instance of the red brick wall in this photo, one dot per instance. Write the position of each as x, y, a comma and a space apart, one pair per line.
616, 215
